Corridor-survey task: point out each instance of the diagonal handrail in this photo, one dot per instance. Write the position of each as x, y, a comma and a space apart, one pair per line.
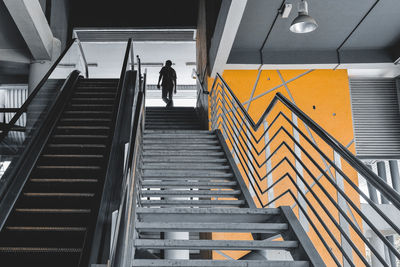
229, 115
367, 173
35, 91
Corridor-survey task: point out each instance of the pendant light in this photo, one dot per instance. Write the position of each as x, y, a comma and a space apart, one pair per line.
303, 23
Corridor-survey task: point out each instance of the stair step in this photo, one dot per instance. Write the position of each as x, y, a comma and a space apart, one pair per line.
200, 185
83, 129
178, 132
186, 173
65, 171
212, 227
178, 136
187, 159
192, 203
215, 244
184, 153
42, 236
74, 159
68, 185
183, 127
75, 148
97, 100
79, 138
181, 147
91, 94
51, 217
218, 263
180, 141
52, 200
218, 215
186, 166
190, 193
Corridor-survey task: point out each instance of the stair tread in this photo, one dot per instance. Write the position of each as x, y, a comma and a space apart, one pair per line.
44, 180
219, 263
212, 227
39, 250
46, 228
146, 193
193, 202
215, 244
245, 211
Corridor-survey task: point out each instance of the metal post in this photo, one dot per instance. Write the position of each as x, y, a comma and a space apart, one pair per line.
376, 242
342, 203
394, 173
382, 174
373, 195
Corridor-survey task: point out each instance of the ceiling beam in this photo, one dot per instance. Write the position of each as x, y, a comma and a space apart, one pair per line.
31, 22
15, 55
229, 22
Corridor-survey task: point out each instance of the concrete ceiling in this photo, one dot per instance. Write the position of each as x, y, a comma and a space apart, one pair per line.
134, 13
373, 39
14, 54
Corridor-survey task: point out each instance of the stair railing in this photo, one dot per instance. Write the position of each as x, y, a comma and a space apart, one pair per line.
287, 159
24, 135
122, 249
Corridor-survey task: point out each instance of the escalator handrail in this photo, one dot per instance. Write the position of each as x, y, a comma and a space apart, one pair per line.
12, 185
129, 173
110, 179
32, 95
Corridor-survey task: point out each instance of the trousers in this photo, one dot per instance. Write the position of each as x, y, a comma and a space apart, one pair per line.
167, 94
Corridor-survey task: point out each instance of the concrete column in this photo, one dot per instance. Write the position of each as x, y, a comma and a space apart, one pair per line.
394, 173
29, 17
373, 195
176, 254
382, 173
376, 242
342, 203
39, 68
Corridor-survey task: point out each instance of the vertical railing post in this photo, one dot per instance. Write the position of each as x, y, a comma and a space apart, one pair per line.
342, 203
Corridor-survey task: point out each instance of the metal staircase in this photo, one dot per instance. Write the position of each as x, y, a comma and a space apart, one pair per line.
189, 185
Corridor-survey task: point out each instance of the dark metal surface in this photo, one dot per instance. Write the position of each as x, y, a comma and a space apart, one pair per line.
11, 186
126, 91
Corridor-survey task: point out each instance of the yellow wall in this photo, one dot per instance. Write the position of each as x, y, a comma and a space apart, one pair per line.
324, 96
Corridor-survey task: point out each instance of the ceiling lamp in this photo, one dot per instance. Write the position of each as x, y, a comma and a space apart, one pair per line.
303, 23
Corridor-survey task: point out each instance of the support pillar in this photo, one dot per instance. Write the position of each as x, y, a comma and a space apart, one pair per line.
376, 242
39, 68
176, 254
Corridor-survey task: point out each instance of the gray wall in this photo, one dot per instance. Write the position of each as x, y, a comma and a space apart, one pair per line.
59, 20
10, 37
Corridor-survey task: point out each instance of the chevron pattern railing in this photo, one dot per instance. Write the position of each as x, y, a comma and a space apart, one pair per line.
289, 160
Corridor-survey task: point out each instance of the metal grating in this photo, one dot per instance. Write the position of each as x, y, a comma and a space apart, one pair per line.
376, 118
184, 35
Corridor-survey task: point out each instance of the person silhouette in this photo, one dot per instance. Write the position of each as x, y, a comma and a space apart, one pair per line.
168, 77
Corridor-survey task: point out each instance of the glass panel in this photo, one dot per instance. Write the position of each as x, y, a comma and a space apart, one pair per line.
14, 142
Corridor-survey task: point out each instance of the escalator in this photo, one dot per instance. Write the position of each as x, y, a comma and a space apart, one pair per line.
55, 213
56, 198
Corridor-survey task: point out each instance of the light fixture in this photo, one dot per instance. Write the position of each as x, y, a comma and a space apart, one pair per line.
303, 23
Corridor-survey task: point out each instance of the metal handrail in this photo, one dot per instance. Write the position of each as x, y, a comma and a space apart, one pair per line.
83, 57
284, 144
122, 247
124, 97
367, 173
224, 113
32, 95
